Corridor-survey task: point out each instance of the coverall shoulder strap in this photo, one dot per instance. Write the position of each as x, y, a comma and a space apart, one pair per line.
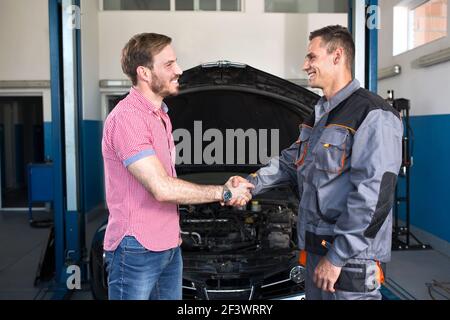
351, 112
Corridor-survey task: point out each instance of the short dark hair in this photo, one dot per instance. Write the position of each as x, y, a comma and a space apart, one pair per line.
334, 37
140, 50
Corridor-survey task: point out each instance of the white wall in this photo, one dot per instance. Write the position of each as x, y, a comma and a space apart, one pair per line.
25, 52
273, 42
427, 88
24, 38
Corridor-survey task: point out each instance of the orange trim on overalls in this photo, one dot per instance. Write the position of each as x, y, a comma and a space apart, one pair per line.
342, 126
341, 168
302, 258
300, 161
343, 159
380, 273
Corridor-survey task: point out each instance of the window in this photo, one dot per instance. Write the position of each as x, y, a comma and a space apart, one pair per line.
184, 5
309, 6
429, 22
208, 5
180, 5
136, 4
230, 5
419, 22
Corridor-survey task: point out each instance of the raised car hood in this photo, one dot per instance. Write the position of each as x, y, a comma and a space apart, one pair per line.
229, 96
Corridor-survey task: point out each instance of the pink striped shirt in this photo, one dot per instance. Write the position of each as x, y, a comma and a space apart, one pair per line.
136, 129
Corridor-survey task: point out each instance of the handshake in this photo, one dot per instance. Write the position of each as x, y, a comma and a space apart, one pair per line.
240, 190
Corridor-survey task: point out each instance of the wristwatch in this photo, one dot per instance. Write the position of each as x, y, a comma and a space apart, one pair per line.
226, 195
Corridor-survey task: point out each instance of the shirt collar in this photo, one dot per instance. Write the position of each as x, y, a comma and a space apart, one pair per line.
148, 105
164, 107
341, 95
344, 93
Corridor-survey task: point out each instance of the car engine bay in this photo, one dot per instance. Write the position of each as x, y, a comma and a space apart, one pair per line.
260, 226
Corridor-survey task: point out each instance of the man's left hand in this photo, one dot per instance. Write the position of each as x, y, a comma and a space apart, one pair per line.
326, 275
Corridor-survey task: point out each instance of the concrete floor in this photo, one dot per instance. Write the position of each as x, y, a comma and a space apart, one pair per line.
20, 251
21, 247
409, 272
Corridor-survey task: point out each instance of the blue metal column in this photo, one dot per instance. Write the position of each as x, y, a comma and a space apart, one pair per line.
55, 30
372, 45
65, 57
363, 23
74, 217
350, 16
81, 167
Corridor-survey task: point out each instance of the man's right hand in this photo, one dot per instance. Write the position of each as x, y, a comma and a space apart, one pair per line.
240, 188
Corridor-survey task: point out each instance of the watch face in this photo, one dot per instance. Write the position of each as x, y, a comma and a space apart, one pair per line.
227, 195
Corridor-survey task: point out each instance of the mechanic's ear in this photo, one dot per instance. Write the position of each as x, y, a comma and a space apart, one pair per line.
338, 53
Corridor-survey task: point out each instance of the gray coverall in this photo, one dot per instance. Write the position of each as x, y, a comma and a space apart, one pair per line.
345, 165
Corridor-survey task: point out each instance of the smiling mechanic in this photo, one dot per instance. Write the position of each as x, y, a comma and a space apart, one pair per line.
142, 240
345, 165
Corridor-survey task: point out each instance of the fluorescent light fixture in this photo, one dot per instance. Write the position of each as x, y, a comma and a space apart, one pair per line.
432, 59
393, 71
223, 63
115, 83
24, 84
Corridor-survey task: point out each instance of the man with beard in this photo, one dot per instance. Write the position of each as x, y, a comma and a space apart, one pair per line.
142, 240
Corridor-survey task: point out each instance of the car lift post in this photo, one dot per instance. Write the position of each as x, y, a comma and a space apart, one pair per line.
363, 24
65, 67
372, 14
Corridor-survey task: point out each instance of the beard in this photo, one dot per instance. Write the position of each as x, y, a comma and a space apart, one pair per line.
160, 88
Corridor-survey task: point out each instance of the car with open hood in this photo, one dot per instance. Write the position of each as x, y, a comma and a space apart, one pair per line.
230, 119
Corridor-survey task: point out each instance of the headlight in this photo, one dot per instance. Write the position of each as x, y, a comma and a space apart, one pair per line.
297, 274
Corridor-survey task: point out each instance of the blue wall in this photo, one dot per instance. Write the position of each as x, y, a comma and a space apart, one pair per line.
93, 164
430, 175
48, 140
92, 161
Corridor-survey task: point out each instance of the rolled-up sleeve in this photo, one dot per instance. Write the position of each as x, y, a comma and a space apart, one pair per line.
130, 137
375, 163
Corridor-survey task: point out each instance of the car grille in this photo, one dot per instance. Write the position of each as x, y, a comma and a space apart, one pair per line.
240, 289
237, 294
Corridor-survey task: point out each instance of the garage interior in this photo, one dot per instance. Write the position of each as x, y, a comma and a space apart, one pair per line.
61, 80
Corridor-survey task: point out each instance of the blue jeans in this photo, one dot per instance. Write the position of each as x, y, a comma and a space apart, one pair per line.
136, 273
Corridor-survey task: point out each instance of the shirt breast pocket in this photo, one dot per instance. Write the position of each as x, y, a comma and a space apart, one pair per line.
303, 142
330, 154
